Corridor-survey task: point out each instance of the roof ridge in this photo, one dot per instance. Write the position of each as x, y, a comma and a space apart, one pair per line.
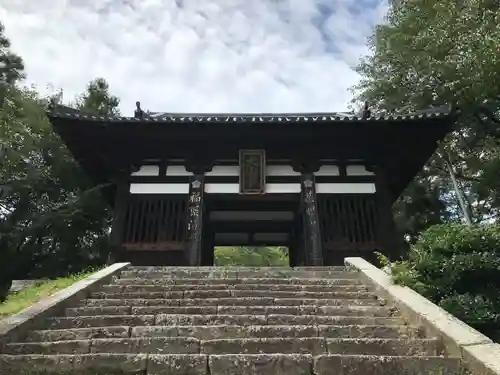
62, 111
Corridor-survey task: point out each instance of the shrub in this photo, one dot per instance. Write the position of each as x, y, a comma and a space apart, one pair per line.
457, 267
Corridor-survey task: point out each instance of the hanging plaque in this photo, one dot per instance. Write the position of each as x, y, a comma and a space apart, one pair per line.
252, 171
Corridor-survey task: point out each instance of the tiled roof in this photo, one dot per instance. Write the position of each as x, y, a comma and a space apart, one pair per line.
166, 117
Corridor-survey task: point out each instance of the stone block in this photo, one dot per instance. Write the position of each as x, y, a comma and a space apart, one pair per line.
200, 310
367, 331
36, 364
48, 348
78, 334
482, 359
291, 345
178, 319
325, 302
106, 364
177, 365
100, 321
378, 346
260, 364
98, 310
154, 345
385, 365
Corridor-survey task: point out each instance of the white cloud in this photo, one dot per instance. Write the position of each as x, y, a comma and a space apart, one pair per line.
197, 55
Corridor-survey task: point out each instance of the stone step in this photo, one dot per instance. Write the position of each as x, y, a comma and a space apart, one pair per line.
189, 345
179, 274
319, 345
154, 345
128, 288
183, 319
148, 278
236, 301
235, 293
229, 364
241, 274
234, 310
380, 365
213, 332
233, 268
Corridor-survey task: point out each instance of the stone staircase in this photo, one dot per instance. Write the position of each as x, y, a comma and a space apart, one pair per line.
229, 321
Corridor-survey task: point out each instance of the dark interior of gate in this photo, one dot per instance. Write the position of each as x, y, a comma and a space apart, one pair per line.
321, 185
155, 229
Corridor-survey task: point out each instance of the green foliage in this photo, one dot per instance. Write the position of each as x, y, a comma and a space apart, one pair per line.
53, 221
52, 216
16, 302
98, 99
251, 256
11, 65
422, 205
457, 267
430, 53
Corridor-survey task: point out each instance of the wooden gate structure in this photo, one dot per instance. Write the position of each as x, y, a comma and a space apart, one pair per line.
320, 183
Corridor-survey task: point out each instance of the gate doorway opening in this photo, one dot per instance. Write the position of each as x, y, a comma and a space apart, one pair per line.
259, 256
250, 230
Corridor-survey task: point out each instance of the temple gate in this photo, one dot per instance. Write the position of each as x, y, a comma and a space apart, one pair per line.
320, 184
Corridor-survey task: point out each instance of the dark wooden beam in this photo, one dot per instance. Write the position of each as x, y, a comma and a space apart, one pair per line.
269, 202
252, 243
312, 232
208, 243
162, 178
119, 214
252, 226
368, 140
195, 220
387, 234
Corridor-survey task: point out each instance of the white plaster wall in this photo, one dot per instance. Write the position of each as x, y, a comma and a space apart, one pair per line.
281, 170
345, 188
222, 188
282, 188
177, 170
147, 170
151, 188
224, 170
328, 170
358, 170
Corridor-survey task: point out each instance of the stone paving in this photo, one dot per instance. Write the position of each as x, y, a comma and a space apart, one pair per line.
228, 321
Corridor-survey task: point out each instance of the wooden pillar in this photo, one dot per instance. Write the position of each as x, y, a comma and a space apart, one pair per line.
122, 194
207, 253
195, 220
387, 235
312, 233
291, 255
298, 247
195, 208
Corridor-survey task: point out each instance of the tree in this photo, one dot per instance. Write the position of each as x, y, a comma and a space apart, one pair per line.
11, 65
457, 266
421, 206
98, 99
52, 214
430, 53
11, 70
53, 221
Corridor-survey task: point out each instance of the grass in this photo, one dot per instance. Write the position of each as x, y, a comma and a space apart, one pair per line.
30, 295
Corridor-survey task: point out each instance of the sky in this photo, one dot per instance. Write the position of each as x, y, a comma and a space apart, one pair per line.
197, 55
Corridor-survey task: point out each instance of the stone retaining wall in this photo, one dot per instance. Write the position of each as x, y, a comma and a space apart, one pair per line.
478, 352
14, 327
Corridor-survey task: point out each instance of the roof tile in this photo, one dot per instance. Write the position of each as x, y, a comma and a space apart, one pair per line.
164, 117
